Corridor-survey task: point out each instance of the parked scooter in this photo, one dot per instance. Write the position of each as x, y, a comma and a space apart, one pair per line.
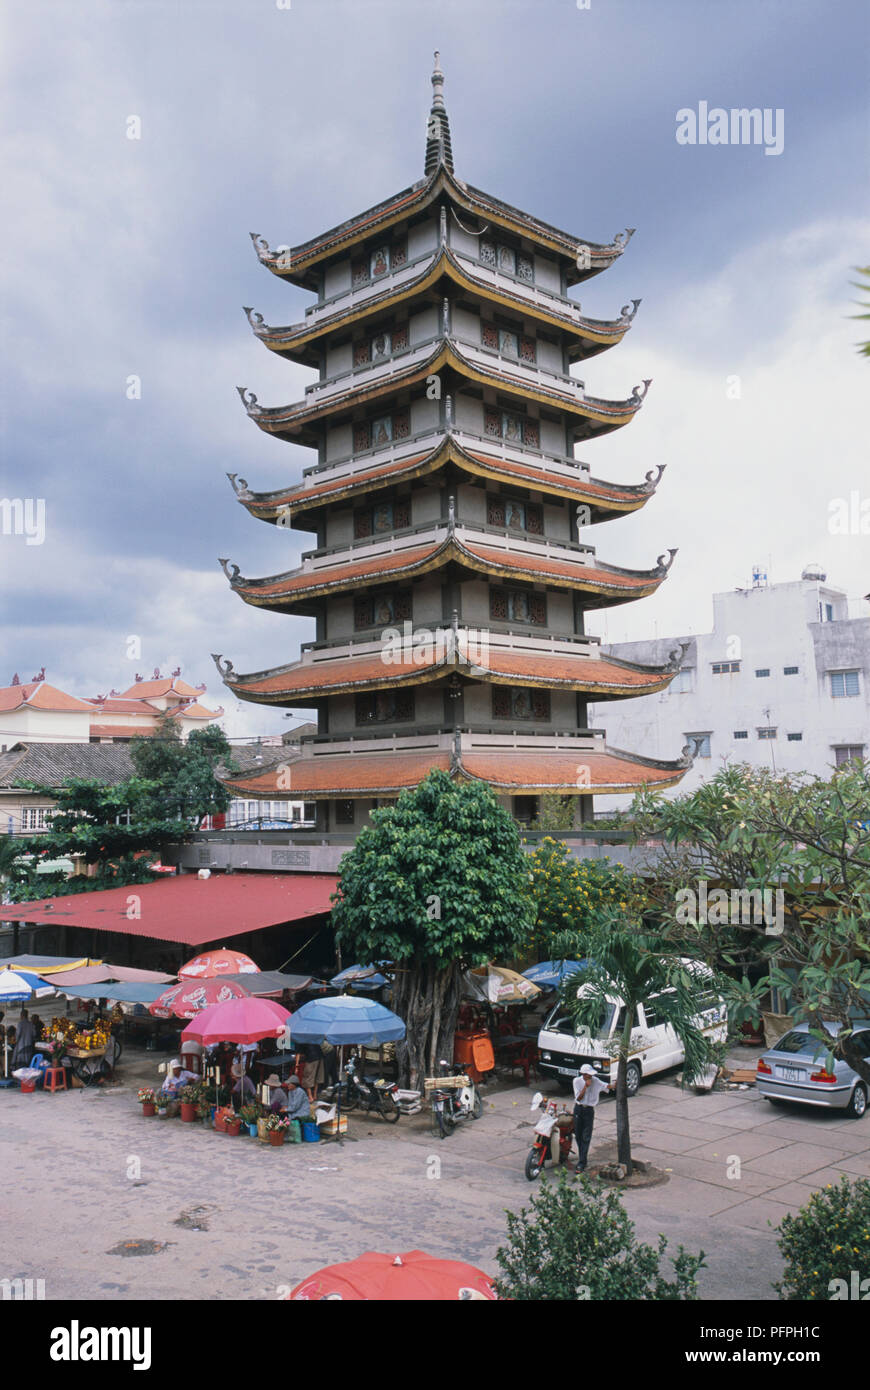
454, 1098
369, 1093
554, 1134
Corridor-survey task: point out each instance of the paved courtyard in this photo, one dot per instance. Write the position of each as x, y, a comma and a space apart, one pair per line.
85, 1172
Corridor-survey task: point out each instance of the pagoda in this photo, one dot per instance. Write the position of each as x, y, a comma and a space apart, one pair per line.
450, 573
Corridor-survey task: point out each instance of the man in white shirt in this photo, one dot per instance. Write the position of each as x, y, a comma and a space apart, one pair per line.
588, 1090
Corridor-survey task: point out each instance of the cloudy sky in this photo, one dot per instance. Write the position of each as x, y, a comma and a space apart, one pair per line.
131, 257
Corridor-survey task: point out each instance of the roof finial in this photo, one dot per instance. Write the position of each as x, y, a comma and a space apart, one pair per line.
438, 147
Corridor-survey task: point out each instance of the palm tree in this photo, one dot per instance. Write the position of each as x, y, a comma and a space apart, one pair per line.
864, 286
632, 961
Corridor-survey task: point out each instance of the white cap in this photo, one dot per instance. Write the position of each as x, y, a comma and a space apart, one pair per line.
586, 1070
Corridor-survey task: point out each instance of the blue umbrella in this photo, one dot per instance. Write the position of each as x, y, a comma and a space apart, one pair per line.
360, 976
21, 984
549, 974
345, 1019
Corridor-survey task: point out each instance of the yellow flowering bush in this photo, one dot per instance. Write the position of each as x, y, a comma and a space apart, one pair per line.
826, 1240
569, 893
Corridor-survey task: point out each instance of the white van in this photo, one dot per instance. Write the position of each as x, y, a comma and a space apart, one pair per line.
655, 1046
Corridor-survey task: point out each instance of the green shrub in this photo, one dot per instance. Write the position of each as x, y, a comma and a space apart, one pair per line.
578, 1242
826, 1241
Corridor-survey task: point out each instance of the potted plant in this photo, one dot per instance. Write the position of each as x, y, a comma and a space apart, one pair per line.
276, 1128
189, 1097
250, 1114
147, 1100
233, 1124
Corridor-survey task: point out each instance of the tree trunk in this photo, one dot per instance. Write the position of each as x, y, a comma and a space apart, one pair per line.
623, 1131
427, 1000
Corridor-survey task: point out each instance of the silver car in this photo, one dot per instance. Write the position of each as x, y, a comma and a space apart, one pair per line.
794, 1070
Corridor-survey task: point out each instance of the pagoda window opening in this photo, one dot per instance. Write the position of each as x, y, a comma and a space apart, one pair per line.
508, 343
382, 430
344, 812
379, 261
382, 519
516, 702
518, 606
525, 809
513, 429
380, 347
384, 707
509, 514
498, 255
381, 609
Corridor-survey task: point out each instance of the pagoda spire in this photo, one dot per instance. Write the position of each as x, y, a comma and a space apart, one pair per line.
438, 147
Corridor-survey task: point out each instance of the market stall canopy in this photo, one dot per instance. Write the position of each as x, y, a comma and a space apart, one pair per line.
44, 965
21, 984
186, 909
121, 993
414, 1276
343, 1020
93, 974
549, 974
189, 997
360, 976
267, 982
498, 985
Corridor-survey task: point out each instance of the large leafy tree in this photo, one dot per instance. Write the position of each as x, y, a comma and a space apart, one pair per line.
569, 894
178, 778
806, 838
633, 960
437, 883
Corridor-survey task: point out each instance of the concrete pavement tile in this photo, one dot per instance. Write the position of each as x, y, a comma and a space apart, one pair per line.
682, 1195
664, 1139
848, 1136
794, 1194
692, 1129
759, 1214
745, 1144
859, 1164
794, 1160
715, 1172
820, 1177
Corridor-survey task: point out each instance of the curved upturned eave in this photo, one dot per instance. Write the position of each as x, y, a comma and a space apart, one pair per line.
289, 421
604, 586
610, 771
296, 264
606, 500
302, 683
295, 341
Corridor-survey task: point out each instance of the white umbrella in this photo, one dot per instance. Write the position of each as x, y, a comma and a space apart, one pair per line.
16, 986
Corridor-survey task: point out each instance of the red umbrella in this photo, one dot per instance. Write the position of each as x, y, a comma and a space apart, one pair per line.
222, 962
397, 1278
245, 1020
189, 998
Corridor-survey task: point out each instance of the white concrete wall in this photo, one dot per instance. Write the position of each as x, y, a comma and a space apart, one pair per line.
45, 726
423, 237
336, 278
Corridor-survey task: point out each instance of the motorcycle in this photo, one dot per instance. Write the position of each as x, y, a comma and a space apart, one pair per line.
554, 1134
454, 1098
369, 1093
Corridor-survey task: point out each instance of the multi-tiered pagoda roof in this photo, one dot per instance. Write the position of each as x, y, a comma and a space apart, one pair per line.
450, 571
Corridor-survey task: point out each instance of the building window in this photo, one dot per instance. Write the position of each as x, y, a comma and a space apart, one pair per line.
385, 518
33, 817
518, 703
684, 681
518, 606
849, 753
515, 429
765, 671
386, 429
789, 670
385, 707
506, 258
380, 261
525, 808
844, 683
512, 515
741, 733
794, 738
725, 668
699, 745
826, 612
344, 812
381, 609
768, 733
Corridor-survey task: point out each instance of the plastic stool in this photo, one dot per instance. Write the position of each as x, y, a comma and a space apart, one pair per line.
50, 1079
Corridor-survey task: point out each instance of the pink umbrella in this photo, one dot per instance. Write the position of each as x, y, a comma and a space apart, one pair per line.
222, 962
190, 997
244, 1020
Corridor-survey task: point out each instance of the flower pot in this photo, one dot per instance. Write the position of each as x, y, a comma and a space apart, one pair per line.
188, 1111
262, 1132
232, 1127
276, 1136
148, 1109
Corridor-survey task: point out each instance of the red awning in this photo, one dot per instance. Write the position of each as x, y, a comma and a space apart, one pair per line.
186, 909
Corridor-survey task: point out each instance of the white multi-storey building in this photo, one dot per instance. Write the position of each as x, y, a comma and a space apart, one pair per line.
782, 681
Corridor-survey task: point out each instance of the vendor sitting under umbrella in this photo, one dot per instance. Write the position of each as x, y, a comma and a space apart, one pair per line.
288, 1097
176, 1077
